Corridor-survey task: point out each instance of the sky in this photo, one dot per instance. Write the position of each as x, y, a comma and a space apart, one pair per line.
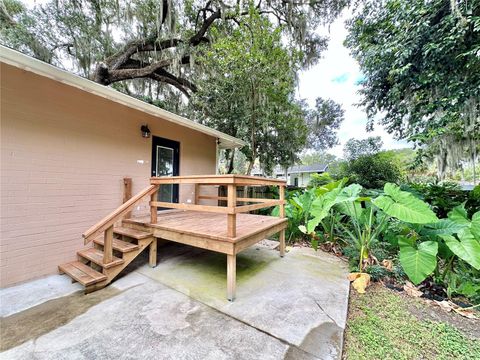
335, 77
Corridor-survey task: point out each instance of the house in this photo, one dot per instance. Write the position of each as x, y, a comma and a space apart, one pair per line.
298, 175
67, 144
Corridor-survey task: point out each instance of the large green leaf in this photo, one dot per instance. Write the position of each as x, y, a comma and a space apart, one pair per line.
442, 227
475, 226
467, 249
404, 206
353, 209
418, 263
459, 215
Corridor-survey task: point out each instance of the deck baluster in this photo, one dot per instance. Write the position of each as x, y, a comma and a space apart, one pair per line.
108, 246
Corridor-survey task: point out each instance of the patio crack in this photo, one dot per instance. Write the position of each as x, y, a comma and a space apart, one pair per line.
323, 310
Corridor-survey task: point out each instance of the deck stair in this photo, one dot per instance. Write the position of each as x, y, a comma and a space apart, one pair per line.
113, 247
92, 272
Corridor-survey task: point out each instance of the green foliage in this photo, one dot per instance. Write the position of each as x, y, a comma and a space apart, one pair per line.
393, 221
322, 122
366, 229
370, 171
317, 180
355, 148
382, 325
422, 73
464, 281
444, 197
419, 262
317, 157
250, 93
404, 206
403, 159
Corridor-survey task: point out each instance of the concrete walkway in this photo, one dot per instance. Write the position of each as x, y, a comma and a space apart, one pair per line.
290, 308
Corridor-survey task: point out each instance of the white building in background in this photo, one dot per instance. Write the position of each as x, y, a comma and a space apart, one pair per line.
298, 175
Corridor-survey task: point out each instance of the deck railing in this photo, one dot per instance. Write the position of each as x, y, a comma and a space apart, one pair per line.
232, 208
106, 224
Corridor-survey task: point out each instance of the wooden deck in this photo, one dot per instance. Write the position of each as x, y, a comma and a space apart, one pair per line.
225, 229
209, 230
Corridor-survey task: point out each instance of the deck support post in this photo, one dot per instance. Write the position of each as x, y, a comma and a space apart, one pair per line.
282, 243
108, 245
153, 209
231, 276
152, 256
281, 190
231, 203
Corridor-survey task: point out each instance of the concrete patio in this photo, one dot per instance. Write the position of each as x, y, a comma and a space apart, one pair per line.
290, 308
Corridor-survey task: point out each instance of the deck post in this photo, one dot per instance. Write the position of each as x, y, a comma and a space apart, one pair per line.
127, 194
197, 194
153, 209
281, 189
231, 276
231, 203
108, 245
152, 256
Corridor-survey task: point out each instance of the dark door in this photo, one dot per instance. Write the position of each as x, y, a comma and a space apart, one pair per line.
165, 162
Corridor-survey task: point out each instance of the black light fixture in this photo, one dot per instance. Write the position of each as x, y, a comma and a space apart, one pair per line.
145, 131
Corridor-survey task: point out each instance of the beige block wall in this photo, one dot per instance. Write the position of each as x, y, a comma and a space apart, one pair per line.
64, 154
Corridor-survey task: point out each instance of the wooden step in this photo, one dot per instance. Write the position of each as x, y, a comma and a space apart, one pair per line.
96, 256
84, 274
135, 234
118, 245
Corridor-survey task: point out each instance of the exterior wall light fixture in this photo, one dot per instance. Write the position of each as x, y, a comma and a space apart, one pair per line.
145, 131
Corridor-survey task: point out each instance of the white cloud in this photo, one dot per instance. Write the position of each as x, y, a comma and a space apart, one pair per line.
335, 77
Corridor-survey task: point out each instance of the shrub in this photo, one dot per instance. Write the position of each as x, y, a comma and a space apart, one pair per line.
371, 171
320, 179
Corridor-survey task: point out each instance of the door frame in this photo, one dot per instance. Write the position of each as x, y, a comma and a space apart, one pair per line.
172, 144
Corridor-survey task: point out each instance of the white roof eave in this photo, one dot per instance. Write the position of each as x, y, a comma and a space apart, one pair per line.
22, 61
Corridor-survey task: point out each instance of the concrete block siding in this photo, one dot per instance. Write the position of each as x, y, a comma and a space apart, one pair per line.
64, 154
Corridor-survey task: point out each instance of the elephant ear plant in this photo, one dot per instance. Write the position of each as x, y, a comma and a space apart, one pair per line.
433, 239
417, 261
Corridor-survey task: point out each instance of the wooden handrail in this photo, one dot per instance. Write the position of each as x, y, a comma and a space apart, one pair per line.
239, 180
115, 215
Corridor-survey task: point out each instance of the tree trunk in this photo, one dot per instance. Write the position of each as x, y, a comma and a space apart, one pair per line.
474, 160
250, 167
230, 162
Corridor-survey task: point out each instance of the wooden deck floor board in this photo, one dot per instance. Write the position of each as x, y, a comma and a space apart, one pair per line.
210, 225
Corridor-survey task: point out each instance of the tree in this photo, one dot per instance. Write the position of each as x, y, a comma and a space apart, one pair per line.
317, 157
322, 122
114, 41
355, 148
249, 93
422, 73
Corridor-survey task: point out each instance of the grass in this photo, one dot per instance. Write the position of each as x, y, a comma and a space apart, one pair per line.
381, 327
